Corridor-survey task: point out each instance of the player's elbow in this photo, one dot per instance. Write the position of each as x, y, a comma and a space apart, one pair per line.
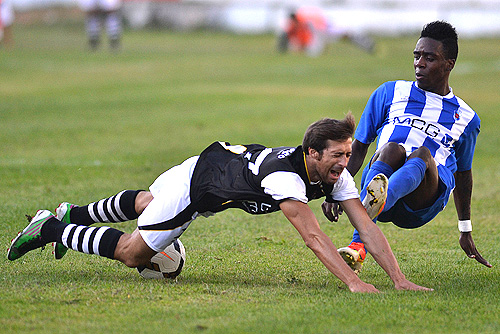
313, 241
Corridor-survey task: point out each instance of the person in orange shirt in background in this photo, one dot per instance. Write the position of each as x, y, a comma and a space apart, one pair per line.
309, 30
298, 32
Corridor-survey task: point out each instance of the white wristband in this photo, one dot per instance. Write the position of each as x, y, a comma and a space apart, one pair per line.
465, 225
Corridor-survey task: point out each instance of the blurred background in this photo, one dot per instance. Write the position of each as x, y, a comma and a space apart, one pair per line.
472, 18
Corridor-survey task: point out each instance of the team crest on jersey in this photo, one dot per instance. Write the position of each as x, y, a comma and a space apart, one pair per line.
286, 152
457, 114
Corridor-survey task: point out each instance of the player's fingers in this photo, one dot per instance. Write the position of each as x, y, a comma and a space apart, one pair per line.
482, 260
327, 211
329, 215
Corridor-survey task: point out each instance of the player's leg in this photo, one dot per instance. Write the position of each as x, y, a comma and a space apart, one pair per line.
124, 206
112, 21
417, 181
425, 187
113, 28
132, 250
374, 196
93, 28
6, 21
374, 201
45, 228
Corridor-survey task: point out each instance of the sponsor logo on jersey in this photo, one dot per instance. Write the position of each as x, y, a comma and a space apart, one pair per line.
430, 129
286, 152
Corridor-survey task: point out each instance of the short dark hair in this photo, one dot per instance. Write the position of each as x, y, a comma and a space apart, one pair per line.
318, 133
445, 33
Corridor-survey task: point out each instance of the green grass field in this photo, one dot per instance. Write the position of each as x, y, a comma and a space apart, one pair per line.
80, 126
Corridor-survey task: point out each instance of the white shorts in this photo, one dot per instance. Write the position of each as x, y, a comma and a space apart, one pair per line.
106, 5
171, 195
6, 14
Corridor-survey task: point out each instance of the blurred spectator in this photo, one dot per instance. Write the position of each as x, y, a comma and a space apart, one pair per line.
99, 13
309, 30
6, 21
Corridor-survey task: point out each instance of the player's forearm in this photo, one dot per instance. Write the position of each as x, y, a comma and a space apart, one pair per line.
326, 252
303, 219
378, 246
462, 194
357, 158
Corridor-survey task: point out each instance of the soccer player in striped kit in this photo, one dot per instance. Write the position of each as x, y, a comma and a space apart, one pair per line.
99, 13
426, 140
253, 178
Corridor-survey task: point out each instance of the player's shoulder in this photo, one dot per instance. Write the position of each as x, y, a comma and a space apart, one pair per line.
467, 113
391, 85
388, 88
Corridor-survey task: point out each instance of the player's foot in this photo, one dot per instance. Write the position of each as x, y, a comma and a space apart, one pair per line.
376, 195
354, 255
31, 237
62, 213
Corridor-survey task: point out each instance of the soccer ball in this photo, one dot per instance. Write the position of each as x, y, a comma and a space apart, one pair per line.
166, 264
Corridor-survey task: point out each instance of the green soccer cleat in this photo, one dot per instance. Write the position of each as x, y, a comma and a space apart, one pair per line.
62, 213
30, 238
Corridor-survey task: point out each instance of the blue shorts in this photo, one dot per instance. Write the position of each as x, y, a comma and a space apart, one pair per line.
401, 215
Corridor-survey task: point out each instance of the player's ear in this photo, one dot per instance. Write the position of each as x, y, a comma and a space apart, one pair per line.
450, 65
314, 154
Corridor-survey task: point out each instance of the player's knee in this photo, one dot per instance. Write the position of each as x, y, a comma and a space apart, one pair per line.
134, 259
393, 154
393, 149
423, 153
142, 200
129, 253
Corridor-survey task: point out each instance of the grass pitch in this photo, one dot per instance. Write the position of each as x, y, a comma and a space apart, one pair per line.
80, 126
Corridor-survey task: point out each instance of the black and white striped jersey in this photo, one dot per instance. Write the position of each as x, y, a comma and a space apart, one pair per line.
256, 179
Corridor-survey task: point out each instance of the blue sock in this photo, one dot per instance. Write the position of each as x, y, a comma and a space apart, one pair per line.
404, 181
376, 168
401, 182
355, 237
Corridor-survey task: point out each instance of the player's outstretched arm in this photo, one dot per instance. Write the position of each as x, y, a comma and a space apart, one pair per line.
377, 245
462, 195
303, 219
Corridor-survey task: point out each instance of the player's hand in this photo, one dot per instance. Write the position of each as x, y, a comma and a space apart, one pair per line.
407, 285
332, 211
469, 248
363, 287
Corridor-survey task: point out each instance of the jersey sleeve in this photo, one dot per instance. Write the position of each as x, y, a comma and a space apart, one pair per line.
374, 113
465, 146
345, 188
285, 185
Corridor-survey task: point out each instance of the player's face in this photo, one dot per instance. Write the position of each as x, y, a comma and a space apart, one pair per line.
432, 69
334, 158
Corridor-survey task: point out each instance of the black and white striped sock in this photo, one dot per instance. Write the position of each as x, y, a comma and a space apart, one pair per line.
114, 209
91, 240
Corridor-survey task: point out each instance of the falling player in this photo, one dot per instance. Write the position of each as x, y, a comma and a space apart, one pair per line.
426, 140
253, 178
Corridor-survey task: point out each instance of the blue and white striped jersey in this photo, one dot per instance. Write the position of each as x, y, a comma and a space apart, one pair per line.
399, 111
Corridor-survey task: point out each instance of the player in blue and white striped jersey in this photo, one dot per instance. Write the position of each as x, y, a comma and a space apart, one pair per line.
426, 138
